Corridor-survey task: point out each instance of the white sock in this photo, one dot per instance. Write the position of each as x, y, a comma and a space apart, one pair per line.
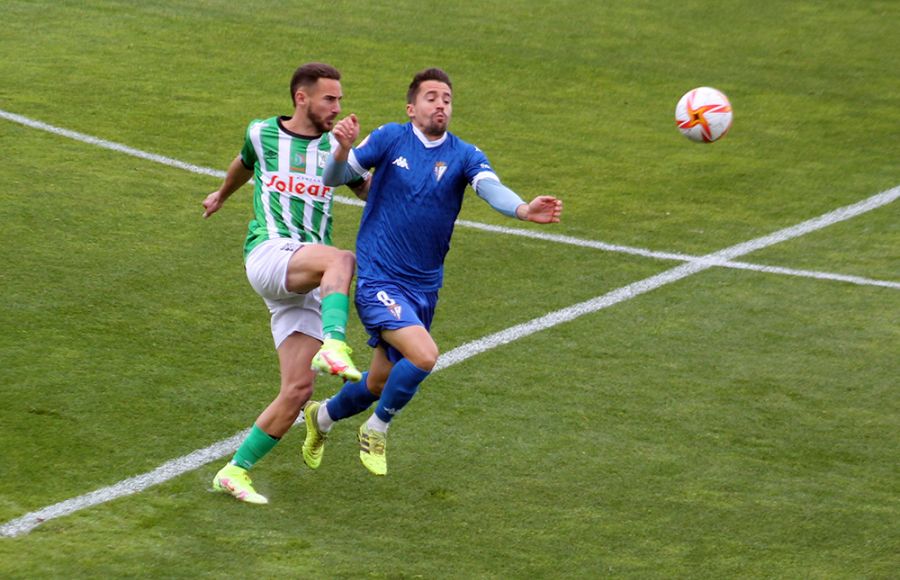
324, 419
377, 424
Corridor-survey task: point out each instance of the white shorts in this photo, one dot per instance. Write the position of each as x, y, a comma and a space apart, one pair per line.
267, 267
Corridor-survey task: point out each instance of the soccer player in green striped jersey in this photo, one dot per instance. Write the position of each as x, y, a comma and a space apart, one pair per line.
290, 260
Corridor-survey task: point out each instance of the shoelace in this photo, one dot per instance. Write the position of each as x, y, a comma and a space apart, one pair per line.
376, 443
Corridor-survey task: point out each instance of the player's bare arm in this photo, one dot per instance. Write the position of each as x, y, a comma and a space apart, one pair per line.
236, 176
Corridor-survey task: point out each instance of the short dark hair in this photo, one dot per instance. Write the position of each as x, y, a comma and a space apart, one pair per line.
429, 74
308, 74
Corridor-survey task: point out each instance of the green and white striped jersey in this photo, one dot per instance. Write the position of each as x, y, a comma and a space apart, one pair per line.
289, 198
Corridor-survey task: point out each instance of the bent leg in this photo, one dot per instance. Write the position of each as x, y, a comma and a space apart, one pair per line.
319, 266
331, 270
420, 354
296, 388
294, 356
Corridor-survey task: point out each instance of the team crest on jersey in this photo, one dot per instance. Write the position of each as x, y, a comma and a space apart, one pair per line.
298, 162
439, 168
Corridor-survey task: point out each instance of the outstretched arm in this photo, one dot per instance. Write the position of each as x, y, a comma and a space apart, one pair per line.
544, 209
236, 176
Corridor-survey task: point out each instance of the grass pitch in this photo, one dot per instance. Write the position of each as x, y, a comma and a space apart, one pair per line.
730, 424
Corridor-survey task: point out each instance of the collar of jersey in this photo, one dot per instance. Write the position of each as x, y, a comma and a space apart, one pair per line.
428, 144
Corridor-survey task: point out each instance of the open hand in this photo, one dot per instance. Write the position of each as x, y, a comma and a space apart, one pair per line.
544, 209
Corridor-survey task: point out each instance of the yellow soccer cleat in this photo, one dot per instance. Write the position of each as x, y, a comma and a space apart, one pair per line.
314, 444
334, 359
372, 446
235, 480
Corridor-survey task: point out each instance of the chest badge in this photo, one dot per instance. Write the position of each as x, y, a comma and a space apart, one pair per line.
439, 169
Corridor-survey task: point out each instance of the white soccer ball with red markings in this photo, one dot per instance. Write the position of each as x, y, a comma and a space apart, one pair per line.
703, 115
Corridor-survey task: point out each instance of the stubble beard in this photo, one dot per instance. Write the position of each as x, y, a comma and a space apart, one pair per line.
322, 124
436, 129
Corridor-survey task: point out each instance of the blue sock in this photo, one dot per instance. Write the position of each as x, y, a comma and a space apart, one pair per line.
353, 398
402, 384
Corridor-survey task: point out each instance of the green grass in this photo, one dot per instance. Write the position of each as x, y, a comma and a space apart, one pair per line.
731, 424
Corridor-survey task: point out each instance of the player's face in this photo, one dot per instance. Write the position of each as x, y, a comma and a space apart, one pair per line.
324, 104
431, 110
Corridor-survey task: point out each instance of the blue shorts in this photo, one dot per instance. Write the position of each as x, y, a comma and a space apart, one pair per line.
388, 306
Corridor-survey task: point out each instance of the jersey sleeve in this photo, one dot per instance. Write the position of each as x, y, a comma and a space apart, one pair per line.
248, 152
373, 148
478, 167
500, 197
331, 174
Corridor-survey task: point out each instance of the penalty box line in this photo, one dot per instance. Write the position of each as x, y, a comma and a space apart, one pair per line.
196, 459
171, 162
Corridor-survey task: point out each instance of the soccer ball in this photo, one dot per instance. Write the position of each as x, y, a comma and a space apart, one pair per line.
703, 115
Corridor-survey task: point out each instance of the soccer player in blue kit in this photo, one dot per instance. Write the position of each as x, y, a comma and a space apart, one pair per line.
421, 173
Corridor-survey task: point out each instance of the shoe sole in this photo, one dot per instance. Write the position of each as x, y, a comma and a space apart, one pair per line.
226, 490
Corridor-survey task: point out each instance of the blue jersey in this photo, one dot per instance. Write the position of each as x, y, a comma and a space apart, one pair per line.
415, 196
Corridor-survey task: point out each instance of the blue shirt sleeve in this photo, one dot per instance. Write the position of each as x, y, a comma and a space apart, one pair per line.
370, 153
478, 167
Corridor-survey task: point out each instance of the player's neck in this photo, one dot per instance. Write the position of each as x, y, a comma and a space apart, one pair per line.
300, 125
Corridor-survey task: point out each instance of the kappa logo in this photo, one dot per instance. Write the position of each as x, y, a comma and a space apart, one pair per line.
400, 162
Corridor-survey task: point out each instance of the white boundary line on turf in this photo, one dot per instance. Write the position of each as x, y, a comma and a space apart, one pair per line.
120, 148
176, 467
117, 147
859, 280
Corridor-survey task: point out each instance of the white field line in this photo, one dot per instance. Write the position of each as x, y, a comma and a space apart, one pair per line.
119, 148
722, 263
176, 467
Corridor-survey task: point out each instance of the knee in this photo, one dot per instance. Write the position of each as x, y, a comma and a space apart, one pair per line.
425, 358
347, 259
297, 392
375, 387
